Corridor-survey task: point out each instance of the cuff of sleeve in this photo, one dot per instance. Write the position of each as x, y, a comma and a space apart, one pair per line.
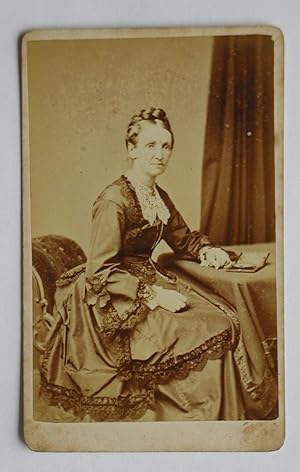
150, 297
113, 322
202, 254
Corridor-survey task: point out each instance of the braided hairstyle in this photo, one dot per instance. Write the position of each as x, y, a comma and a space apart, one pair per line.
152, 115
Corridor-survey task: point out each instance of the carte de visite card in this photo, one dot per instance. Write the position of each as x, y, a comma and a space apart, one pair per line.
153, 239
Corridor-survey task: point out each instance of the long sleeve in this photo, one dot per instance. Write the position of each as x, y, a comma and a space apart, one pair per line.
116, 294
185, 243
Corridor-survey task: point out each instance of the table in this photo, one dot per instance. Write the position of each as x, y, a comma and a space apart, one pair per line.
253, 295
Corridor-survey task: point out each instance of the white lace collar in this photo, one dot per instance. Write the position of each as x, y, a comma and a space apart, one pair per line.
150, 201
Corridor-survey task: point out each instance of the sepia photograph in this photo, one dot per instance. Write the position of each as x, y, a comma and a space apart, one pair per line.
153, 239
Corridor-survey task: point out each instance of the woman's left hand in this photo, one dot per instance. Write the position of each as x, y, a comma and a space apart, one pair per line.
217, 257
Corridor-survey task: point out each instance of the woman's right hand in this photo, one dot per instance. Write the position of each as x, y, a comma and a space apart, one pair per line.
170, 300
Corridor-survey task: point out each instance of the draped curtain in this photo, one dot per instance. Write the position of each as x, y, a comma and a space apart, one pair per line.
238, 202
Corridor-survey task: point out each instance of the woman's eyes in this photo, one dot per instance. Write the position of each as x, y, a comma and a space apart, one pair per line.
165, 146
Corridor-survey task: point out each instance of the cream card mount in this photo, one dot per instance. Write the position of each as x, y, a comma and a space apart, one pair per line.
126, 347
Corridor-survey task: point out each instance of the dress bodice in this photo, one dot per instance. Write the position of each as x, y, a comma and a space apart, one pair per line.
139, 237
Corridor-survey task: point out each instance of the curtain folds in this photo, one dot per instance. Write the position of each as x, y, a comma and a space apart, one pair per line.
238, 202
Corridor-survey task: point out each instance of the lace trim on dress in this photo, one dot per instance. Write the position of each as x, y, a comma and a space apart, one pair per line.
150, 201
142, 269
263, 394
178, 367
98, 408
70, 275
112, 321
144, 375
119, 347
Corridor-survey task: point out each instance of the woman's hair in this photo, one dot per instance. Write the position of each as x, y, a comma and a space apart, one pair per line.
152, 115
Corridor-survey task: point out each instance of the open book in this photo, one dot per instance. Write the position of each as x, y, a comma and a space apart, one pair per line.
249, 262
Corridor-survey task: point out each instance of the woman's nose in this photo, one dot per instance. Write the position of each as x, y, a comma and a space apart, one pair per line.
159, 153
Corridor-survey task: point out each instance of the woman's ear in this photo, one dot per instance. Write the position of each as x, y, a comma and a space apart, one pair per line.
131, 151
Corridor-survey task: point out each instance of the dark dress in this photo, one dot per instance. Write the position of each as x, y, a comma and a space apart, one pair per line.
109, 357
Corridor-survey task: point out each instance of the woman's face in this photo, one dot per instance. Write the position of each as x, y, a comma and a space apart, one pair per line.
152, 150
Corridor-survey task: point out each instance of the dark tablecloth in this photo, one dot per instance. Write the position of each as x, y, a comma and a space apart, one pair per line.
252, 294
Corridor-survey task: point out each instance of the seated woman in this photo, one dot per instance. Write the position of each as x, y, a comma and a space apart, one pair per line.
129, 340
